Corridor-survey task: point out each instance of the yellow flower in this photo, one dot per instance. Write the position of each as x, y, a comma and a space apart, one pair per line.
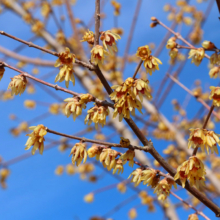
97, 115
197, 138
107, 158
2, 70
85, 98
109, 39
128, 156
197, 55
37, 27
171, 43
163, 188
208, 45
151, 64
30, 104
4, 173
60, 37
88, 37
54, 109
59, 170
136, 176
66, 59
118, 167
193, 170
126, 105
215, 58
121, 187
74, 107
89, 198
94, 151
36, 138
215, 95
98, 54
193, 217
70, 169
132, 213
124, 142
17, 85
117, 7
150, 177
214, 72
45, 9
78, 153
173, 53
143, 52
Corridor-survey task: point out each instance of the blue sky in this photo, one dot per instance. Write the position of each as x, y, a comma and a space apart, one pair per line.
34, 191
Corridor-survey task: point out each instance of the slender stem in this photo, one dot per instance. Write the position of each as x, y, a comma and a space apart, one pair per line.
97, 21
137, 69
186, 203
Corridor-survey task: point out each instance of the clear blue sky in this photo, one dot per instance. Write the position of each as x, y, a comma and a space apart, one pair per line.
34, 191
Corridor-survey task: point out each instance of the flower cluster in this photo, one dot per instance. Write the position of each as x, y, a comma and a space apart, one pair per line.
204, 139
125, 96
74, 107
197, 55
17, 85
78, 153
215, 95
36, 139
151, 63
163, 188
95, 151
97, 114
65, 60
193, 170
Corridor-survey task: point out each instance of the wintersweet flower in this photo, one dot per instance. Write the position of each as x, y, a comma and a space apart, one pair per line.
109, 39
193, 170
163, 188
74, 107
45, 9
208, 45
136, 176
95, 151
193, 217
2, 70
171, 43
98, 54
143, 52
128, 156
107, 158
124, 142
85, 98
214, 72
17, 85
118, 167
150, 177
4, 173
88, 37
215, 95
97, 115
37, 27
121, 187
117, 7
60, 37
78, 153
197, 55
151, 64
65, 60
173, 53
132, 213
212, 139
215, 59
89, 198
197, 138
36, 138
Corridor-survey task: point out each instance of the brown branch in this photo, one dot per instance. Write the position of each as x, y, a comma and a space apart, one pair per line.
99, 102
97, 21
137, 69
